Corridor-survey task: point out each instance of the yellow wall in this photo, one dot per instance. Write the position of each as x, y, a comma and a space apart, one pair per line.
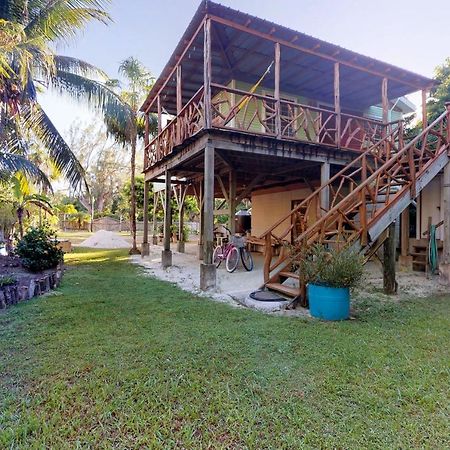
267, 208
430, 205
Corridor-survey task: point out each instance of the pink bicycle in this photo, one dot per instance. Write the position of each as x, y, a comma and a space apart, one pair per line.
230, 252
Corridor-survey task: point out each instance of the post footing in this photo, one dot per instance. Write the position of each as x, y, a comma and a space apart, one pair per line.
145, 249
181, 247
166, 258
405, 262
207, 276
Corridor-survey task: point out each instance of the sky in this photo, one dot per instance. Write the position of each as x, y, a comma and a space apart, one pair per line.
411, 34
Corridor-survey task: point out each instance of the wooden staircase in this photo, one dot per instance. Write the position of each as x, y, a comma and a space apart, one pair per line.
365, 197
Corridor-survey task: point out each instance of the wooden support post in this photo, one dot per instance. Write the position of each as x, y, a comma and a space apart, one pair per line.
166, 257
155, 223
181, 197
325, 193
232, 201
159, 106
337, 103
406, 259
389, 282
146, 140
207, 72
207, 268
277, 90
445, 194
145, 248
424, 109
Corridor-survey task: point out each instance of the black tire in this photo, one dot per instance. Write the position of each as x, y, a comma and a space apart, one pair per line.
247, 260
217, 256
232, 260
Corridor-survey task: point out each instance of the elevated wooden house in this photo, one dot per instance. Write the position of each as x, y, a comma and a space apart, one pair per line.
309, 131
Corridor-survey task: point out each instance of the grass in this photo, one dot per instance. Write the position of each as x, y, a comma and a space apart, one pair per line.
119, 360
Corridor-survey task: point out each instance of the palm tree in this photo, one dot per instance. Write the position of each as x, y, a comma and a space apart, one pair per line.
22, 199
139, 81
27, 63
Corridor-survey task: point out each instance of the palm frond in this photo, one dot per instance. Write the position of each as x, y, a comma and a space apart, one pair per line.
65, 161
96, 94
11, 164
62, 19
79, 67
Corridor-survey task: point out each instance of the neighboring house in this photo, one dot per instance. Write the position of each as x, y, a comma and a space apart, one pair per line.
309, 131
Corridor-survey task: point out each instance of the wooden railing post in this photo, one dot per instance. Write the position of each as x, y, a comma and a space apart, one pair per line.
447, 105
385, 105
178, 139
146, 140
267, 256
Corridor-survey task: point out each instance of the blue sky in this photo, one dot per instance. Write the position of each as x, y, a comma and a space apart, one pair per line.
412, 34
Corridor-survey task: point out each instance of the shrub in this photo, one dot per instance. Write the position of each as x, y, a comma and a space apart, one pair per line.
7, 280
38, 250
332, 268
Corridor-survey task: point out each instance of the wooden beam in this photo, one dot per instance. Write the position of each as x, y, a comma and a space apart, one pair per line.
179, 59
337, 103
158, 100
277, 91
385, 100
179, 90
232, 201
404, 233
249, 188
424, 109
207, 73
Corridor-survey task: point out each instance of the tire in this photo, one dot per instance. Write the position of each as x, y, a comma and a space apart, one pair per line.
247, 260
232, 260
218, 256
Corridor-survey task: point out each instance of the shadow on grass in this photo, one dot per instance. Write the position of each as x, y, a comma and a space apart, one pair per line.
87, 256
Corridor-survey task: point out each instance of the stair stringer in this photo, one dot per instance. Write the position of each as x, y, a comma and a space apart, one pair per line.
404, 198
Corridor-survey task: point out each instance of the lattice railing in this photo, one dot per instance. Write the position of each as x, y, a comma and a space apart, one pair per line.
186, 124
360, 194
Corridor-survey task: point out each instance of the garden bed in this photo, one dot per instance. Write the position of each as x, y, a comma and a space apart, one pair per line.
25, 284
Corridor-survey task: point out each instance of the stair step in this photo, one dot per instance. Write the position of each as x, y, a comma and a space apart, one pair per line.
286, 290
293, 275
418, 253
421, 263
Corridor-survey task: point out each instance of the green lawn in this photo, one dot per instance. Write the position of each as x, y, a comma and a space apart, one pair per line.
119, 360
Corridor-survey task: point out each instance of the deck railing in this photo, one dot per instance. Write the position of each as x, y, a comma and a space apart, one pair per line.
250, 112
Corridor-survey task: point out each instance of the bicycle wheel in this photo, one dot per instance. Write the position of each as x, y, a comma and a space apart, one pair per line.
247, 259
218, 256
232, 259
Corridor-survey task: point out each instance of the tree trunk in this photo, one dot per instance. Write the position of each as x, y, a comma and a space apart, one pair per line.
134, 250
389, 282
20, 220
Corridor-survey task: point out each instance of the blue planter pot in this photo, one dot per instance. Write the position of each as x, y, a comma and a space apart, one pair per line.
329, 303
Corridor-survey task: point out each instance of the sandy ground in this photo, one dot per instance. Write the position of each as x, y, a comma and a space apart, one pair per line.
105, 239
234, 288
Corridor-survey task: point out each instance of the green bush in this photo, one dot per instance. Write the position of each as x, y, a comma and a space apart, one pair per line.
38, 250
332, 268
7, 280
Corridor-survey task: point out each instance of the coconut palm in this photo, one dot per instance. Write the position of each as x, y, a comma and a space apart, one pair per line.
28, 63
138, 83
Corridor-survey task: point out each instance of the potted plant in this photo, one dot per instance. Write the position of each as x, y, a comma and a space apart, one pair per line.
330, 274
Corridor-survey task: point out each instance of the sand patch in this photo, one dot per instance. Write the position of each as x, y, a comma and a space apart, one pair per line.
105, 239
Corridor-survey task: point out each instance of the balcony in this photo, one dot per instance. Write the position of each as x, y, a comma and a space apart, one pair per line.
252, 113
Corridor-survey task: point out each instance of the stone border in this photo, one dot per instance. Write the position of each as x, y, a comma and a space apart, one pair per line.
37, 285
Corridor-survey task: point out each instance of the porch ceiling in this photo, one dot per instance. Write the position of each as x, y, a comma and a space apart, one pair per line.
251, 173
243, 48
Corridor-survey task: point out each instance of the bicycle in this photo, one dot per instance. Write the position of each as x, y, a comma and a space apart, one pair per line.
231, 251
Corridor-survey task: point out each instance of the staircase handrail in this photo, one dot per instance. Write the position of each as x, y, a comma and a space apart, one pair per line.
362, 185
330, 181
372, 177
